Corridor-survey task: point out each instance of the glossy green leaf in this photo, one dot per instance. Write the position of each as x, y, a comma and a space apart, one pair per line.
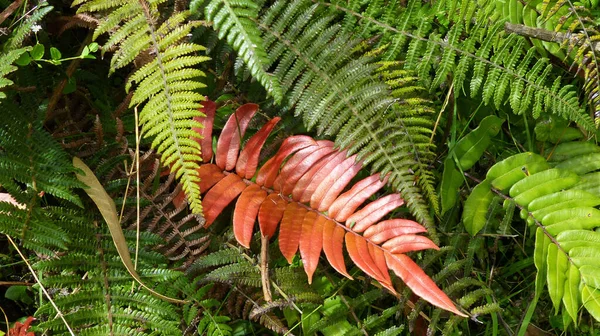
572, 149
557, 268
470, 148
571, 298
578, 238
37, 52
582, 164
55, 54
476, 207
507, 172
539, 259
589, 255
452, 180
541, 184
590, 297
590, 275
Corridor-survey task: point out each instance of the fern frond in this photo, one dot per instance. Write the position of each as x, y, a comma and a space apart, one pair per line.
6, 67
564, 215
166, 85
310, 182
233, 21
102, 301
485, 50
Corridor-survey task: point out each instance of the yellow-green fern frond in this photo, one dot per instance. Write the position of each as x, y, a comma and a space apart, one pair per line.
166, 86
6, 67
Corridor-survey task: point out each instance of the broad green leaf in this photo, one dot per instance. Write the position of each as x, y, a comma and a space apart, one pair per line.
470, 148
109, 212
37, 52
24, 59
541, 184
590, 297
504, 174
539, 259
476, 207
571, 294
590, 275
557, 268
55, 54
589, 255
578, 238
452, 179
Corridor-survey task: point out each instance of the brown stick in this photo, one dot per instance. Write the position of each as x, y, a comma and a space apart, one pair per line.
9, 10
544, 35
15, 283
264, 267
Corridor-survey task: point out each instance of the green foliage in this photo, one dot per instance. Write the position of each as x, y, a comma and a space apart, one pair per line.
111, 306
166, 84
463, 156
6, 67
397, 81
563, 215
233, 21
469, 51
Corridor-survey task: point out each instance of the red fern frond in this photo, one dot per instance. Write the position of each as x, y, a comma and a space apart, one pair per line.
301, 189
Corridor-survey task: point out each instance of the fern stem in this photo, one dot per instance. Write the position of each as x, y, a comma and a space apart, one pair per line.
544, 35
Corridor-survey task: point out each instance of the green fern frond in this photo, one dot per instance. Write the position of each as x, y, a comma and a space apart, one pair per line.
233, 21
565, 215
23, 30
166, 85
102, 301
443, 54
6, 67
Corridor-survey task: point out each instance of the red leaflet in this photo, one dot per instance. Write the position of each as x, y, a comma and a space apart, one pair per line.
209, 175
421, 284
290, 230
408, 243
391, 228
22, 329
307, 177
359, 253
248, 160
334, 183
333, 240
379, 260
267, 174
205, 140
311, 242
228, 145
348, 202
299, 164
270, 213
220, 196
307, 185
245, 213
179, 199
373, 212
